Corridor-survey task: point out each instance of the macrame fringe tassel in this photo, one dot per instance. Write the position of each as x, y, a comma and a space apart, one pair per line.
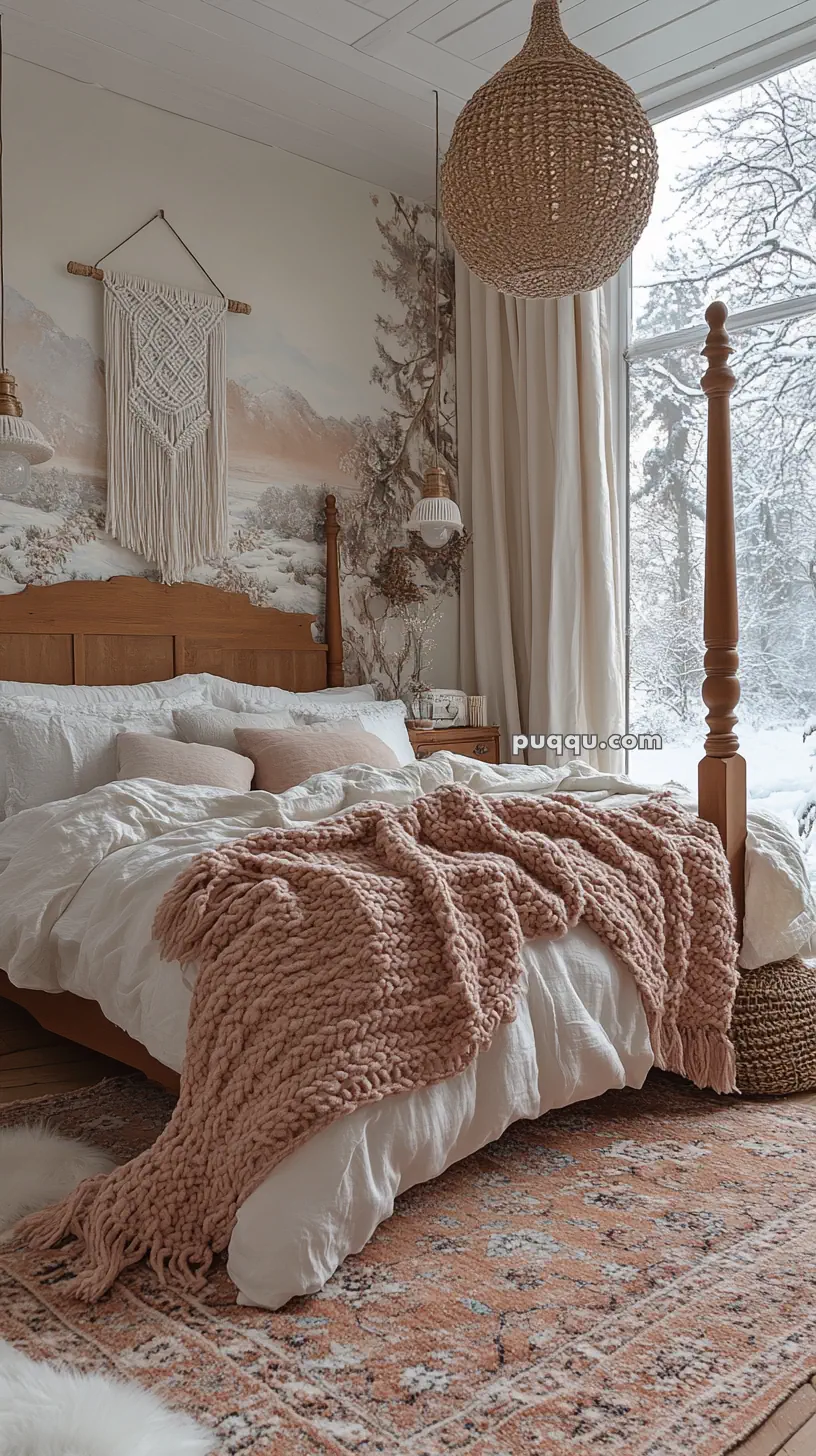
167, 439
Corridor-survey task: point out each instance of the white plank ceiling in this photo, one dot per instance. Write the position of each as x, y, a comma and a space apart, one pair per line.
350, 82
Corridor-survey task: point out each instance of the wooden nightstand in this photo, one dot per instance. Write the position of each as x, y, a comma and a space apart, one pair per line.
483, 744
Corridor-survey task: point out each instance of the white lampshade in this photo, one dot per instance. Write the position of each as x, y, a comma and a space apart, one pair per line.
24, 439
21, 444
435, 515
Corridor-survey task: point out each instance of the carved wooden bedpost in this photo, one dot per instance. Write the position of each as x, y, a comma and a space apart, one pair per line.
721, 779
334, 622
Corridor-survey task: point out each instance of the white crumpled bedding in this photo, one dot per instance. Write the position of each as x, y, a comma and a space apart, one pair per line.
82, 877
80, 881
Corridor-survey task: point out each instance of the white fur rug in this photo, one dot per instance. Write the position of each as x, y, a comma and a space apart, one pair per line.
47, 1411
38, 1167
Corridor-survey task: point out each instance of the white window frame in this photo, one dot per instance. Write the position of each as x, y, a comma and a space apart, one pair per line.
746, 318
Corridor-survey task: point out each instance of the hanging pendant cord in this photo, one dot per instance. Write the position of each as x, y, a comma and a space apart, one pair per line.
160, 214
438, 360
2, 229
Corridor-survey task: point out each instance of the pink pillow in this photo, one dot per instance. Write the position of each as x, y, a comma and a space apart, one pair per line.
144, 756
286, 756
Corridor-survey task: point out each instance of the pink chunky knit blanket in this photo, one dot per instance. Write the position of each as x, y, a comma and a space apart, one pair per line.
379, 952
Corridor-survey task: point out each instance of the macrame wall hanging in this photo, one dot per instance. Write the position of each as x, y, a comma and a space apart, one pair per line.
166, 391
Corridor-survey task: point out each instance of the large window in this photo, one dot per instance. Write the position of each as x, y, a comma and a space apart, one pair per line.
735, 218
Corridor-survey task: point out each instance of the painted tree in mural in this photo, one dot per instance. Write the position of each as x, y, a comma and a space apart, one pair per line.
400, 585
744, 229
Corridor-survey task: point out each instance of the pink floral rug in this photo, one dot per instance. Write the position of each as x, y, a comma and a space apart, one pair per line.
633, 1276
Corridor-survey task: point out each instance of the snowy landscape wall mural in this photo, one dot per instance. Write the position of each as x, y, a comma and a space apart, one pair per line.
279, 450
331, 381
283, 457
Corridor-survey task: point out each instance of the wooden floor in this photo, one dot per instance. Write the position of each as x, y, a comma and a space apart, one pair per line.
34, 1063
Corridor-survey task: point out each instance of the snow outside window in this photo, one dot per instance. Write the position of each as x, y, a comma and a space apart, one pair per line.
735, 218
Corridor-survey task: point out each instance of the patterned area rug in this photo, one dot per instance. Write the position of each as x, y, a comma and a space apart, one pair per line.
634, 1275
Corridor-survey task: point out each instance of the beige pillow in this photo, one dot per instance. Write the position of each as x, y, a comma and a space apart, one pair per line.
143, 756
286, 757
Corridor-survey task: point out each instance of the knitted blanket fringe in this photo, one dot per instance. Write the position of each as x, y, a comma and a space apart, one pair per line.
376, 953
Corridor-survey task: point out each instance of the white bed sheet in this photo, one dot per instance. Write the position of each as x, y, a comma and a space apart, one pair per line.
580, 1030
82, 923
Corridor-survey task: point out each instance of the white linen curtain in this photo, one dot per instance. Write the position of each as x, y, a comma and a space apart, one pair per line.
542, 618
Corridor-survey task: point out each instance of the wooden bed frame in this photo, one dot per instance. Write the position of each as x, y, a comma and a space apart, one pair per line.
722, 795
131, 630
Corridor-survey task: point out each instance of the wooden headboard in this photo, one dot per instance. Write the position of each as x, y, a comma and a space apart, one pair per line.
129, 630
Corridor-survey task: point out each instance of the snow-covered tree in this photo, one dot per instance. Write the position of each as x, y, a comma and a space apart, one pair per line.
744, 229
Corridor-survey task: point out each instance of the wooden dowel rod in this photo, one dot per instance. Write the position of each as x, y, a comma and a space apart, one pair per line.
85, 270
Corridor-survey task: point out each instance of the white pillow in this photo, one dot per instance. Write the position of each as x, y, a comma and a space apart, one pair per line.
78, 695
226, 694
51, 751
362, 693
220, 691
780, 909
216, 726
385, 720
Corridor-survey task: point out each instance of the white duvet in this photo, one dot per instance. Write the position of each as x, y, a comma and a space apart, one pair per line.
80, 881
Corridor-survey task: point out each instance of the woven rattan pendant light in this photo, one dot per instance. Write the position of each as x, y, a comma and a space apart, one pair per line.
550, 175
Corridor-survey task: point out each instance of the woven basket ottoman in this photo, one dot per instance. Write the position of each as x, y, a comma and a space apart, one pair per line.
774, 1029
